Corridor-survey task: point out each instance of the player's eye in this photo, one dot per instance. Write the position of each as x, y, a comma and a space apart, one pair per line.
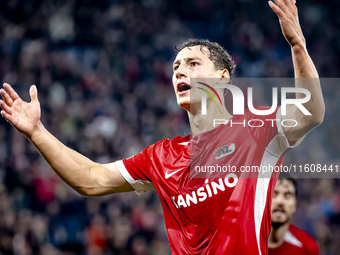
194, 64
288, 195
275, 194
175, 68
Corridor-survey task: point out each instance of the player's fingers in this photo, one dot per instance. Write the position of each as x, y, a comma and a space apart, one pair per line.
276, 9
11, 91
281, 5
6, 116
34, 93
285, 2
5, 107
8, 100
290, 3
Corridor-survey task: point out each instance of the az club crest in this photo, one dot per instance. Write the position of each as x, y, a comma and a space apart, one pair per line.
225, 150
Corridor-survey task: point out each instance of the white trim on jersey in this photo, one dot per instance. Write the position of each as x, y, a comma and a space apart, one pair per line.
280, 131
290, 238
275, 149
262, 184
139, 185
184, 143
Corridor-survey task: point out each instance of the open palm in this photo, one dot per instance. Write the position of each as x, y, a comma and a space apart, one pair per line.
22, 115
287, 12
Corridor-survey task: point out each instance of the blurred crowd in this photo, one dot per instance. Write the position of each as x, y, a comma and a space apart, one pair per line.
103, 71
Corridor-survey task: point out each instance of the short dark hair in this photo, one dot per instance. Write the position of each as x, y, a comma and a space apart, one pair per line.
286, 176
217, 54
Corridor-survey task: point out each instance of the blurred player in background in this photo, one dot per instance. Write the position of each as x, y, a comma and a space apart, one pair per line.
229, 215
284, 237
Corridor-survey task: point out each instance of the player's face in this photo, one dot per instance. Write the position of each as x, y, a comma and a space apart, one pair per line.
192, 63
284, 201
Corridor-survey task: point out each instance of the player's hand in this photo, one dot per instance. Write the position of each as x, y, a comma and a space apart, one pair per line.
25, 117
287, 12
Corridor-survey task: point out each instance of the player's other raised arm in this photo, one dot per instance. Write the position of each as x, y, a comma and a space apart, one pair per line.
82, 174
305, 72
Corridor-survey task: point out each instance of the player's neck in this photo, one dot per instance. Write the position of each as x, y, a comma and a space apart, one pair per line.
200, 123
277, 235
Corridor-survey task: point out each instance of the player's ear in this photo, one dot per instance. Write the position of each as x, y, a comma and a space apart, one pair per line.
224, 76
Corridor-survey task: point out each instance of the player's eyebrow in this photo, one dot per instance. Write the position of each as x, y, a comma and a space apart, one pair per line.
288, 193
186, 60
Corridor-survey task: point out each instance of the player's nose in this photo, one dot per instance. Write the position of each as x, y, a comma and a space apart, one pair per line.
180, 73
279, 200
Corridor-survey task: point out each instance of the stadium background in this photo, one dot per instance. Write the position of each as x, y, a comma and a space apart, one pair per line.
103, 71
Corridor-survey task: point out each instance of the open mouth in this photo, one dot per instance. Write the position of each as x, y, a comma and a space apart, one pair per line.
183, 87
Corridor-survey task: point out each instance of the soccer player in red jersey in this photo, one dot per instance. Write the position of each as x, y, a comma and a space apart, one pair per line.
284, 237
228, 213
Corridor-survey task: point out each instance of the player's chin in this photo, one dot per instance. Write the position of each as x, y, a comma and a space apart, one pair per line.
279, 219
184, 102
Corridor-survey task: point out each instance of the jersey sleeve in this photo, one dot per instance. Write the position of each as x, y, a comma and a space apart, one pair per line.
136, 170
264, 128
310, 245
313, 248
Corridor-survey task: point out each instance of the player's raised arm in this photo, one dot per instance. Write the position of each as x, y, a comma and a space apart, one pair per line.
82, 174
305, 72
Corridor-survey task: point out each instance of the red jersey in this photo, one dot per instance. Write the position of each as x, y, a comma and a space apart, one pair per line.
226, 212
296, 242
